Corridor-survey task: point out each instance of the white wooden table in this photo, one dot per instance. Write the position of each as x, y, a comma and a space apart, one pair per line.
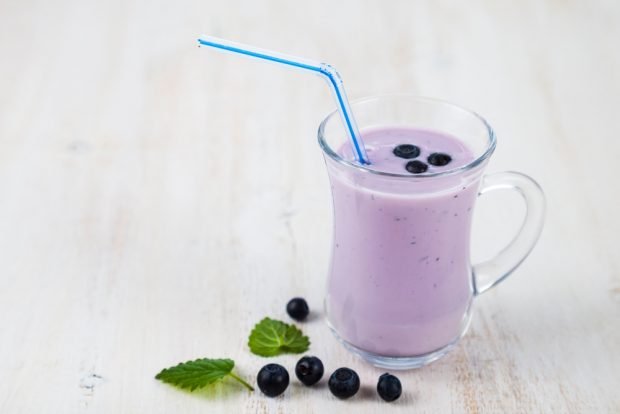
157, 200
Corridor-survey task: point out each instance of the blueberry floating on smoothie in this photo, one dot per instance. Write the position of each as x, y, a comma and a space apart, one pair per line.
344, 383
309, 370
406, 151
272, 379
389, 387
439, 159
416, 167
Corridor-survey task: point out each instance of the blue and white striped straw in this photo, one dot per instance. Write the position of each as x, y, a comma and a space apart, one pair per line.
323, 69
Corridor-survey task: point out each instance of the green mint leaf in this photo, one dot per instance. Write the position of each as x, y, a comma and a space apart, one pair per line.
271, 337
192, 375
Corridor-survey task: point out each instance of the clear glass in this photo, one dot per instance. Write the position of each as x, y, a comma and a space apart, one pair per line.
401, 284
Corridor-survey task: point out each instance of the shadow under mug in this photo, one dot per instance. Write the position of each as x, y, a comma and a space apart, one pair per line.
401, 283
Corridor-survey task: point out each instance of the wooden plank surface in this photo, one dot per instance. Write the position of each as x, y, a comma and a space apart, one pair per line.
157, 200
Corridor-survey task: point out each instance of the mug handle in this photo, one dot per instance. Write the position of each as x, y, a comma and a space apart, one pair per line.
489, 273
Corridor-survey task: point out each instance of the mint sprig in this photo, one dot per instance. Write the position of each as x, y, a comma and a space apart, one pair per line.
271, 337
192, 375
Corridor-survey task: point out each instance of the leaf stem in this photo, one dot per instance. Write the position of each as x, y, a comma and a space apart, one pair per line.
245, 384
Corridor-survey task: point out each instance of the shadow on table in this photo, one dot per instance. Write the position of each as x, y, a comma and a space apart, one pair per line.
535, 337
221, 391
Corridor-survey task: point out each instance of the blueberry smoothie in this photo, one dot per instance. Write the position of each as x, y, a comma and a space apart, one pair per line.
400, 282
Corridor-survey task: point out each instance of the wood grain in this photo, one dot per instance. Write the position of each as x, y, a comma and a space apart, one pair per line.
157, 200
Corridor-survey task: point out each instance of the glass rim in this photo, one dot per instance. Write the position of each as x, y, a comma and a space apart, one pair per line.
492, 140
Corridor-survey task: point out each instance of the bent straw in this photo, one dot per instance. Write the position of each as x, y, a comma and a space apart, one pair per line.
323, 69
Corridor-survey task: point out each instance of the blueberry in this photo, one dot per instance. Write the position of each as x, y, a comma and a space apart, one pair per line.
389, 387
416, 167
439, 159
297, 308
309, 370
344, 383
406, 151
272, 379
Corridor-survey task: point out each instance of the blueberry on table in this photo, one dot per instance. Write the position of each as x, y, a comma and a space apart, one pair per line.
272, 379
389, 387
439, 159
309, 370
416, 167
297, 308
406, 151
344, 383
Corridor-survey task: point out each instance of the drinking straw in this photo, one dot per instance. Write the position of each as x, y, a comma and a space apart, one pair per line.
323, 69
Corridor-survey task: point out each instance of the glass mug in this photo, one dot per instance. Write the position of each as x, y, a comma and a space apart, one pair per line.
401, 284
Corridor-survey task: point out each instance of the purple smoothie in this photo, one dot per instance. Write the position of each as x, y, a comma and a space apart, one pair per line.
400, 282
